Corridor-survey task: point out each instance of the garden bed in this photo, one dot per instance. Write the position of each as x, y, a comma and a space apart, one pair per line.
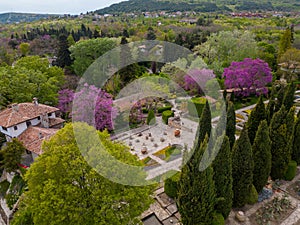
169, 153
273, 212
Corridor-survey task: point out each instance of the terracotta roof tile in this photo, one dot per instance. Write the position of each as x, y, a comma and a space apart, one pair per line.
33, 138
55, 121
23, 112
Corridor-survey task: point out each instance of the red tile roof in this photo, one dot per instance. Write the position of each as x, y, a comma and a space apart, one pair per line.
55, 121
33, 138
23, 112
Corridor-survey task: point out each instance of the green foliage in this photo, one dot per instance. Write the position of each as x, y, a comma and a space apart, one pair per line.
63, 56
12, 155
166, 115
195, 106
281, 136
230, 125
252, 198
222, 166
16, 188
4, 185
262, 156
291, 171
85, 52
296, 142
24, 49
30, 77
151, 117
242, 169
257, 115
288, 100
165, 108
218, 219
285, 41
196, 192
64, 189
171, 185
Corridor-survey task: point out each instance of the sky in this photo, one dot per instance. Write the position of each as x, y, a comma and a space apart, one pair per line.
54, 6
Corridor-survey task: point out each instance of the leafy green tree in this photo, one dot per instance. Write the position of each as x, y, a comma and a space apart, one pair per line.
262, 156
296, 142
281, 137
24, 49
151, 34
257, 115
230, 125
12, 155
196, 191
85, 52
65, 189
222, 167
242, 169
151, 117
70, 40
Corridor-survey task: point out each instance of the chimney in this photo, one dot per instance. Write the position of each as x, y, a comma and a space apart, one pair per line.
15, 107
35, 101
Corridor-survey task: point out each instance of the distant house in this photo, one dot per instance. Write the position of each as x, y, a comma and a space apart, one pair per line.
31, 123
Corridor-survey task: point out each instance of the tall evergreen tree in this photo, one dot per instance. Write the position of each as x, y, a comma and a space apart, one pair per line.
230, 125
257, 115
196, 192
285, 42
288, 100
222, 167
63, 57
242, 169
296, 142
262, 156
281, 136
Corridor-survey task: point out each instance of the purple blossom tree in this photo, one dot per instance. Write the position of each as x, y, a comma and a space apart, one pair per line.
249, 76
91, 105
196, 79
65, 99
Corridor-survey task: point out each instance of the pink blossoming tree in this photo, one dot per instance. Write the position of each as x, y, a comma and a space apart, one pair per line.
91, 105
249, 76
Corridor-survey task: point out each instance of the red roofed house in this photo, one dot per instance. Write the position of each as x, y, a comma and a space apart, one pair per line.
31, 123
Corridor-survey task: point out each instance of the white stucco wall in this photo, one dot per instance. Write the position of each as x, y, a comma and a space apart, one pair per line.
15, 133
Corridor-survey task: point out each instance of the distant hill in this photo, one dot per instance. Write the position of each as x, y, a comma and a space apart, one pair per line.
200, 6
7, 18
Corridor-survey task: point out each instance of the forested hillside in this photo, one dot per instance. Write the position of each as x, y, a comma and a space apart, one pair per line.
199, 6
22, 17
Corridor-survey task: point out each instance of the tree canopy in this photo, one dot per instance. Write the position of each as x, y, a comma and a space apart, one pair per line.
64, 189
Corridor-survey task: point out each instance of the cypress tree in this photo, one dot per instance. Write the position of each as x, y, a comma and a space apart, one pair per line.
288, 100
242, 169
204, 127
196, 192
281, 135
262, 156
280, 97
257, 115
151, 117
270, 110
296, 142
230, 125
222, 167
63, 57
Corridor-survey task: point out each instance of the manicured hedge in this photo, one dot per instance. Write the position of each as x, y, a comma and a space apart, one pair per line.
195, 106
291, 171
162, 109
171, 185
166, 115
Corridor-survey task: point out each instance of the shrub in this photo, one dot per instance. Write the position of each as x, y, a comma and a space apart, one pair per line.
253, 196
145, 110
171, 185
218, 219
4, 185
151, 118
166, 115
195, 106
291, 171
163, 109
